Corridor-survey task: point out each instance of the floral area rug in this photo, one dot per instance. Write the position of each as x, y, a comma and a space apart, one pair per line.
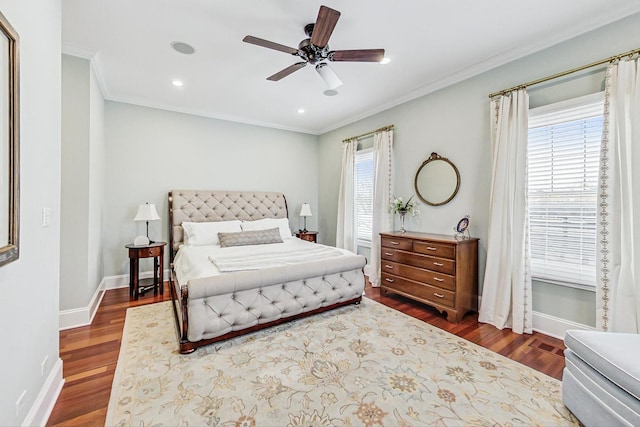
365, 365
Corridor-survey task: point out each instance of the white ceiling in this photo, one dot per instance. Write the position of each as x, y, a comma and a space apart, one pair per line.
431, 44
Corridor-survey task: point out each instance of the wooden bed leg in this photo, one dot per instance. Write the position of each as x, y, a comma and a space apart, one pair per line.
185, 316
184, 349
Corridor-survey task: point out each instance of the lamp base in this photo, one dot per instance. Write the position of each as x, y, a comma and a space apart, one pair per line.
150, 241
141, 241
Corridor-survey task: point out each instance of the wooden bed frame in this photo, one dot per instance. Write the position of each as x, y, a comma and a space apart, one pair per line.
204, 206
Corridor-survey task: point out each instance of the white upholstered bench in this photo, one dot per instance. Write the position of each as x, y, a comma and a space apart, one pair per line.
601, 379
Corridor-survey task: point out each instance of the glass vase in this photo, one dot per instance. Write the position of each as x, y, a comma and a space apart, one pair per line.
402, 215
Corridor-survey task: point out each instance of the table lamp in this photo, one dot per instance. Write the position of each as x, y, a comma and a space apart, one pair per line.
305, 211
146, 212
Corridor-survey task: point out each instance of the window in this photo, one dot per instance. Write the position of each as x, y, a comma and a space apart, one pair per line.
364, 196
563, 157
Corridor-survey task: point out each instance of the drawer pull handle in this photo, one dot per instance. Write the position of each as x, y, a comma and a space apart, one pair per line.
438, 295
388, 253
389, 280
390, 267
439, 264
431, 248
437, 279
395, 243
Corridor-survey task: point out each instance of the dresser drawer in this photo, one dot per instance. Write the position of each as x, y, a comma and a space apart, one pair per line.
434, 249
144, 252
396, 243
419, 290
434, 278
389, 254
441, 265
152, 252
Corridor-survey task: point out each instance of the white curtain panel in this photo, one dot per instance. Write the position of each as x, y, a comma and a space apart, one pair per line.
618, 254
345, 230
382, 189
506, 293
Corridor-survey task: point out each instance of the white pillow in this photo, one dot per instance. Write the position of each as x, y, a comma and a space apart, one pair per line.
267, 223
206, 233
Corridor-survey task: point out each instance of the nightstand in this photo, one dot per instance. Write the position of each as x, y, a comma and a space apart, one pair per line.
310, 236
152, 250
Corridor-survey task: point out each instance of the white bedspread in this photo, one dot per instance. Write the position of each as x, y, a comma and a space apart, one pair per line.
194, 262
270, 259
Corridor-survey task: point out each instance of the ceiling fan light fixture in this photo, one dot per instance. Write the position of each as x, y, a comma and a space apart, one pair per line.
385, 61
177, 83
328, 75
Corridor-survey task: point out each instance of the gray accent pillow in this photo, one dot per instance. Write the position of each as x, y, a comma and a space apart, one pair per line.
256, 237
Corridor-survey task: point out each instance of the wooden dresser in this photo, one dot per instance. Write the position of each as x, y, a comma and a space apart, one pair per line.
435, 269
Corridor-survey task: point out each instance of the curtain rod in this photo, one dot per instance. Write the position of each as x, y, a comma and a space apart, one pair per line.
369, 133
565, 73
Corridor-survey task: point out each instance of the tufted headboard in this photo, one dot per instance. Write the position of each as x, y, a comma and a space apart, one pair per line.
206, 206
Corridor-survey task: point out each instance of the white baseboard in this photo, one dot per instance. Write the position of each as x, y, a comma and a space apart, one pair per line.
41, 409
122, 280
554, 326
83, 316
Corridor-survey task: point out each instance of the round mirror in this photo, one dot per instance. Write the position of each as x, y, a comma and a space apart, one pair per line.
437, 180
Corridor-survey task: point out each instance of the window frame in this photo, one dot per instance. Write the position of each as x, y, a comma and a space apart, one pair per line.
574, 103
359, 241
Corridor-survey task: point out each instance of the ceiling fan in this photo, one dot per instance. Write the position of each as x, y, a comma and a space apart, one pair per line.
315, 49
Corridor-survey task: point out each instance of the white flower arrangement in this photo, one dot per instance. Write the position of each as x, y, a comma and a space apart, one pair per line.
398, 205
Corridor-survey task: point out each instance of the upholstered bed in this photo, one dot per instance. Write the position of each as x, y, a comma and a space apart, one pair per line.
211, 305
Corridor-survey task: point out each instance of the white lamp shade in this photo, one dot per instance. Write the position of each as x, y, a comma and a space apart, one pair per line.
147, 212
305, 210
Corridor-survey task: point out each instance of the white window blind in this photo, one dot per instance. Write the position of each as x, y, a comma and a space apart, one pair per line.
563, 158
364, 195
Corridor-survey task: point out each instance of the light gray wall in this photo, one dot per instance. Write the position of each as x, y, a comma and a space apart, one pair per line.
30, 285
97, 169
74, 217
150, 152
83, 157
454, 123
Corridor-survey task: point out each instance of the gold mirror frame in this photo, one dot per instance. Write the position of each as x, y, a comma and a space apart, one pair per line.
425, 175
9, 143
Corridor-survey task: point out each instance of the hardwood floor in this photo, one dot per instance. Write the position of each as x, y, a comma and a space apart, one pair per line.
90, 353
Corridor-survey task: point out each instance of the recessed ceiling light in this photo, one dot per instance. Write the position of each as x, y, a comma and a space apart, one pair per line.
300, 110
177, 83
183, 47
330, 92
385, 61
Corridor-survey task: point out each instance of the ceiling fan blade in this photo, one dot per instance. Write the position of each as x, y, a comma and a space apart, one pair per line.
284, 73
271, 45
362, 55
328, 75
325, 23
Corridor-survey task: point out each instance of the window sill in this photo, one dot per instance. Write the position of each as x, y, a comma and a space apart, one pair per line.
565, 284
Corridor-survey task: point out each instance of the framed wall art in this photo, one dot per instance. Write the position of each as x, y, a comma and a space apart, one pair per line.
9, 143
